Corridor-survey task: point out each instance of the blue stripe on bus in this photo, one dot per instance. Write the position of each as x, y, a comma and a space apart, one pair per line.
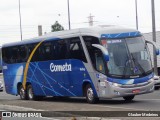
121, 35
135, 80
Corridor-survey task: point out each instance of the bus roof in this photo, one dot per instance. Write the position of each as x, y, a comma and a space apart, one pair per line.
92, 31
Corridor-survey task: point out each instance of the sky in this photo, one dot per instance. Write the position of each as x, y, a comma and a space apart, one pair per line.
46, 12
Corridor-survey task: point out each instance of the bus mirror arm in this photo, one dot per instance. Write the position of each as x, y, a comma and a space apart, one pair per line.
155, 46
103, 49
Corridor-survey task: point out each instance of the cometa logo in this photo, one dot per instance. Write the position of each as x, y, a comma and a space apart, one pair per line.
59, 68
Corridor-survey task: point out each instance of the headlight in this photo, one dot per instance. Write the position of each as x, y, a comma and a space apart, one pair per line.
114, 84
151, 80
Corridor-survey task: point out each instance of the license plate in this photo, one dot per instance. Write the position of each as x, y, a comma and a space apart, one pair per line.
136, 91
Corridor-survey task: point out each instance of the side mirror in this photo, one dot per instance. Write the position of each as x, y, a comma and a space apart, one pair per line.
103, 49
157, 51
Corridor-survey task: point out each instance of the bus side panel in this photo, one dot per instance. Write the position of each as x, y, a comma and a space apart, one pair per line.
13, 74
76, 77
44, 81
58, 78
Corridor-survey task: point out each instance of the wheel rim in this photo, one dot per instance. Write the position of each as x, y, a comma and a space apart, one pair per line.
22, 93
90, 94
30, 93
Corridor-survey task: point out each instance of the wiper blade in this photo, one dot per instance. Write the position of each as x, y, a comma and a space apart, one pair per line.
125, 68
138, 64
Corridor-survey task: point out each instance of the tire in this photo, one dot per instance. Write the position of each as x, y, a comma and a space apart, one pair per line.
22, 93
31, 95
129, 98
90, 97
156, 87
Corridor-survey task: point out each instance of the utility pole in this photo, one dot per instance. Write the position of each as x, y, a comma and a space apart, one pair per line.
20, 19
69, 24
154, 36
136, 14
39, 30
90, 20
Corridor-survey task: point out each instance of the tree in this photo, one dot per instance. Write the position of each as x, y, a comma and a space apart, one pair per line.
57, 27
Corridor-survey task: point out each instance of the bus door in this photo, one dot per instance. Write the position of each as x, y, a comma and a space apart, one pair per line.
100, 74
77, 73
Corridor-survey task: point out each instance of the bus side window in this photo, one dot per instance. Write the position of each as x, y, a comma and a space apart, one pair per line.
15, 55
23, 53
89, 40
48, 51
59, 49
76, 50
45, 51
30, 49
62, 49
5, 56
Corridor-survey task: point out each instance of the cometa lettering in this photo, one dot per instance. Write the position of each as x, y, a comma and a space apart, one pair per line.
60, 68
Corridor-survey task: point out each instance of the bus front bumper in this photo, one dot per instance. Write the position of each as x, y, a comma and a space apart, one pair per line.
115, 90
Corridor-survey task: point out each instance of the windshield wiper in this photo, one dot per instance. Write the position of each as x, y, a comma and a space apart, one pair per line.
138, 64
125, 68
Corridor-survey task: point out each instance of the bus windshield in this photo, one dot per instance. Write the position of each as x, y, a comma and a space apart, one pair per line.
129, 58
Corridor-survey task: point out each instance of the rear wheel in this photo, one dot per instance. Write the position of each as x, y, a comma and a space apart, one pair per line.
129, 98
31, 95
22, 93
30, 92
90, 96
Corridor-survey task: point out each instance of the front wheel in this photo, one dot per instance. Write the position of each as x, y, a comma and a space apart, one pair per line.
129, 98
90, 95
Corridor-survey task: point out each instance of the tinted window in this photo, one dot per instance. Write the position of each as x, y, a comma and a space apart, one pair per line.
16, 54
89, 40
23, 54
76, 50
49, 50
60, 49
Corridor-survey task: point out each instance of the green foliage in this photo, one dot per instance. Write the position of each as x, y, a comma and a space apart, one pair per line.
57, 27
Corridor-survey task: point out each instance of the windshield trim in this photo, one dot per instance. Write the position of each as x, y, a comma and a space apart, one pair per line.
142, 74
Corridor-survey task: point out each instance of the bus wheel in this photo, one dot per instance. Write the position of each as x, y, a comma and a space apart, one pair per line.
22, 93
90, 95
30, 94
128, 98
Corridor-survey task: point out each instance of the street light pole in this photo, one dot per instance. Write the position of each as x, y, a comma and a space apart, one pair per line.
154, 36
136, 14
69, 24
20, 20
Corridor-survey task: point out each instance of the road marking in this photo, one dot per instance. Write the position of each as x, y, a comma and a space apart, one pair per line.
51, 118
12, 107
120, 108
149, 99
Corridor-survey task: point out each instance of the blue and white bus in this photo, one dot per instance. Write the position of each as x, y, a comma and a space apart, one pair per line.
96, 62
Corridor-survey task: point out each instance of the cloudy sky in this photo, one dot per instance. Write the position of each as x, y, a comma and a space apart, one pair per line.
46, 12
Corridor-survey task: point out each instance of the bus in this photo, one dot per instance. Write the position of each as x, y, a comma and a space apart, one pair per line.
96, 62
